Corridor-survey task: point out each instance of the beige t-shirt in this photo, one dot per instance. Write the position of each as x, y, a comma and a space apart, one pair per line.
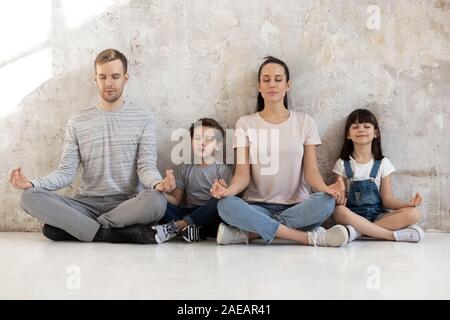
276, 156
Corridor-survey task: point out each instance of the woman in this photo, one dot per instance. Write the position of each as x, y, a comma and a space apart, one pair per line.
275, 203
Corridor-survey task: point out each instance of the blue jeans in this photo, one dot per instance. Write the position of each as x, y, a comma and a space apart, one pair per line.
264, 219
205, 216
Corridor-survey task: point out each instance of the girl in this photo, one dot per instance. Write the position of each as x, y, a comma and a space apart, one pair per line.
276, 203
363, 166
193, 181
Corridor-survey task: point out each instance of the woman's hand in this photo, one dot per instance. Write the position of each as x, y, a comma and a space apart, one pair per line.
337, 190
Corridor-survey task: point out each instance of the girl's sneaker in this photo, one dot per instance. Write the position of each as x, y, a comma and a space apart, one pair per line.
191, 233
413, 233
165, 232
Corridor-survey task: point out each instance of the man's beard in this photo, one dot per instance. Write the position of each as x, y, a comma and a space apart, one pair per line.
113, 98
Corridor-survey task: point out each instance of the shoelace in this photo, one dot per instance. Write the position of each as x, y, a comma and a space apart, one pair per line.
405, 234
318, 239
244, 236
170, 229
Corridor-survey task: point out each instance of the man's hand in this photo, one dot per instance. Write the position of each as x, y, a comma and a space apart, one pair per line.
168, 184
18, 180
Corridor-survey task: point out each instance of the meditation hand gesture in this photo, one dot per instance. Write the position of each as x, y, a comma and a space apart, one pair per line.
18, 180
415, 201
168, 184
219, 189
337, 190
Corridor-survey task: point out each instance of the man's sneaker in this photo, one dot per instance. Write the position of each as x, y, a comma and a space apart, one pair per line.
413, 233
191, 233
165, 232
228, 235
353, 234
334, 237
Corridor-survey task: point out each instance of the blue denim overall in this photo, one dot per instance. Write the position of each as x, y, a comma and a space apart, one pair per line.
363, 196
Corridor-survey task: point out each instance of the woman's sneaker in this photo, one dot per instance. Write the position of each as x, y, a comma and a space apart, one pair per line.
413, 233
165, 232
229, 235
334, 237
191, 233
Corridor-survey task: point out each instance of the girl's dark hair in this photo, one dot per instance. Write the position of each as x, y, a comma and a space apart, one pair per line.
270, 59
361, 116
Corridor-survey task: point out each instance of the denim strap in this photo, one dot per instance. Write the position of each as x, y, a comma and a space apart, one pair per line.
375, 168
348, 169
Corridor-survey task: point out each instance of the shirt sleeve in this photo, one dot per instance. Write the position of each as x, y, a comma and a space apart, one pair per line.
240, 138
180, 179
312, 134
147, 154
386, 167
226, 173
68, 167
339, 168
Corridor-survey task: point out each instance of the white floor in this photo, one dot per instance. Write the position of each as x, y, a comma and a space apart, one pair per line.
32, 267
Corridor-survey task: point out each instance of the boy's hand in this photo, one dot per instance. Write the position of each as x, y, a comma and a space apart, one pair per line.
168, 184
18, 180
219, 189
415, 201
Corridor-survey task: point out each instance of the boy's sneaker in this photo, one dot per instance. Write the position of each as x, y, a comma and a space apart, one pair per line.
191, 233
334, 237
353, 234
228, 235
165, 232
413, 233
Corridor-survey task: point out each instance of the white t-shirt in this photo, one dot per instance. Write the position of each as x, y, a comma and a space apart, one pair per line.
361, 171
276, 156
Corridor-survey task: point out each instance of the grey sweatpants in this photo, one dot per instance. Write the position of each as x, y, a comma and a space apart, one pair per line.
82, 216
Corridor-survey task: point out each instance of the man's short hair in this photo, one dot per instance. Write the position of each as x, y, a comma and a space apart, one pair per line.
111, 55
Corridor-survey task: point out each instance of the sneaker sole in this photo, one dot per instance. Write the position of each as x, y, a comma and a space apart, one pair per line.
419, 231
343, 232
220, 231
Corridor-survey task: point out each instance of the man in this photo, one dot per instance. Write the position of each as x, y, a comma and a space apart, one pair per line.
115, 143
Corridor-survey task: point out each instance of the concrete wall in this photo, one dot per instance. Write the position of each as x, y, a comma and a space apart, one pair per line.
190, 59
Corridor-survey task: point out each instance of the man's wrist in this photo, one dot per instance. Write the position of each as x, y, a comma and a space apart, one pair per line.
154, 186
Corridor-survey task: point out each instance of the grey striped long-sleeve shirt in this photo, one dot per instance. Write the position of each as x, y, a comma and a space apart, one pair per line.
116, 150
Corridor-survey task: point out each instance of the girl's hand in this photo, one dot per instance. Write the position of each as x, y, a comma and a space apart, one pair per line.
415, 201
219, 189
18, 180
168, 184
